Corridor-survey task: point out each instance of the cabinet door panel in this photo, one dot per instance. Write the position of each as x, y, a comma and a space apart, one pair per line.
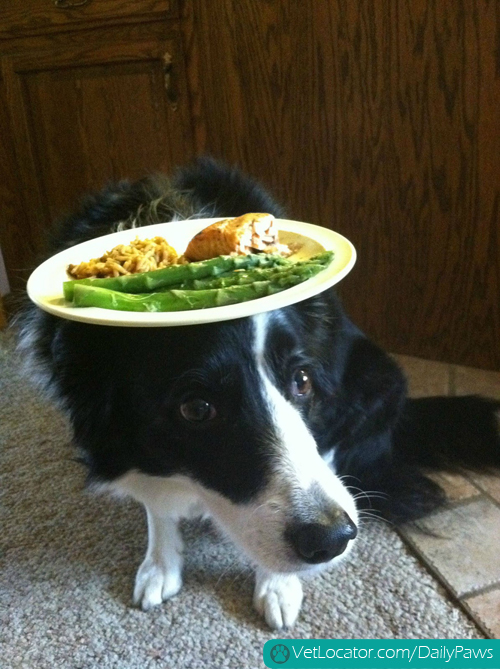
85, 116
92, 124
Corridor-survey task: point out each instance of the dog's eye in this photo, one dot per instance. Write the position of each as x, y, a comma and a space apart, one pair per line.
197, 411
301, 383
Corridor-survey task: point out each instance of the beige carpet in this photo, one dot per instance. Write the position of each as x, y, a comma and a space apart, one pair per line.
67, 563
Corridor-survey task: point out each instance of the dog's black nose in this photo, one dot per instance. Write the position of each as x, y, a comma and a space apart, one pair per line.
315, 542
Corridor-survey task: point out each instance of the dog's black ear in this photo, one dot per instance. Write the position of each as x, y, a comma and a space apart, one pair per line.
363, 417
365, 389
373, 391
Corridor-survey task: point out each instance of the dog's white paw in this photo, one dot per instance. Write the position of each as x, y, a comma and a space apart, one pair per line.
156, 583
278, 597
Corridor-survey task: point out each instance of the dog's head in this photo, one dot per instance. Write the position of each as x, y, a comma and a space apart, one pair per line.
238, 408
232, 406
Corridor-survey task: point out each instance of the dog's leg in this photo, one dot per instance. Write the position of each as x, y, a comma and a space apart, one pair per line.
277, 597
160, 575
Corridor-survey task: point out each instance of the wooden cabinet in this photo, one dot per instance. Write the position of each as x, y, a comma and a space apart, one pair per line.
84, 108
377, 119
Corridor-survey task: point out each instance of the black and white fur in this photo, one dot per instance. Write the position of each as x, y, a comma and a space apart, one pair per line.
304, 421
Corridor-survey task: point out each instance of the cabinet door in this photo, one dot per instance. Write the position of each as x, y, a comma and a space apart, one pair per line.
83, 114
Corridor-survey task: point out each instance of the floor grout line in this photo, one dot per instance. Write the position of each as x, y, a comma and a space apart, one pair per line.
486, 589
482, 491
454, 384
436, 574
494, 501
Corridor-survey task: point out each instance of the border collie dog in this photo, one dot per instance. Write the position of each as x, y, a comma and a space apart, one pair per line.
282, 427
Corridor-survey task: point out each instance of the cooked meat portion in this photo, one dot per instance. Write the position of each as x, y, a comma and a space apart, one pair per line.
242, 235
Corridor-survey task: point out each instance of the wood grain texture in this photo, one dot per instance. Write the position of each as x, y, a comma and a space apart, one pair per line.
13, 218
84, 113
18, 18
378, 118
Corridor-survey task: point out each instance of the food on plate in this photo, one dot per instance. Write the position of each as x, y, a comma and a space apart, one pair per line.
231, 261
237, 236
306, 269
246, 234
136, 257
176, 274
91, 294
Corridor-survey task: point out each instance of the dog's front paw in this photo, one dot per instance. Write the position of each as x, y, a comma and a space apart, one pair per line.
278, 598
156, 583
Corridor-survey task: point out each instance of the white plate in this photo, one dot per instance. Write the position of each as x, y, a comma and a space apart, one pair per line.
45, 284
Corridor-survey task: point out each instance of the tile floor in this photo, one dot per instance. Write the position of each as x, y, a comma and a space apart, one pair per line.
462, 549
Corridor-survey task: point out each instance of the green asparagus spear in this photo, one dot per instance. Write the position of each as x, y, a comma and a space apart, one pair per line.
90, 295
258, 274
176, 274
168, 300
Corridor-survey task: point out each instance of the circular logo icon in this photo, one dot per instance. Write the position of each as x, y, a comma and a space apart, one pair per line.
280, 653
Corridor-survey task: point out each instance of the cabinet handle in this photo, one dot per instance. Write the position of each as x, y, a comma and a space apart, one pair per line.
66, 4
170, 83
